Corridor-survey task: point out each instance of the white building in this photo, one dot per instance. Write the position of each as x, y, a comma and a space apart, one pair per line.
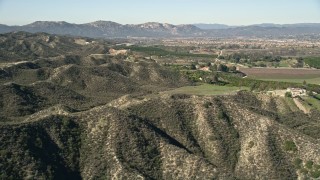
297, 92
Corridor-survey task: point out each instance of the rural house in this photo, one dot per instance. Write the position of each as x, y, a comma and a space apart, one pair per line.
297, 92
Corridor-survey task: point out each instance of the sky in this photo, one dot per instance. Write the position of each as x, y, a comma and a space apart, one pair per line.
231, 12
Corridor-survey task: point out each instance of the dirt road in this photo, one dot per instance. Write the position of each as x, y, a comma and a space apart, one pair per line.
300, 105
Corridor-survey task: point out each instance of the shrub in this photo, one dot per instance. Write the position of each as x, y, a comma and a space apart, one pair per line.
315, 174
288, 94
221, 114
309, 164
213, 138
251, 144
304, 171
290, 146
38, 142
297, 163
207, 104
3, 152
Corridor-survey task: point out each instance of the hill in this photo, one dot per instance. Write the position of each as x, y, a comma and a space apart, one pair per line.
19, 46
44, 70
162, 138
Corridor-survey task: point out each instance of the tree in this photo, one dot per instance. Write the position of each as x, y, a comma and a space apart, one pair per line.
309, 93
237, 59
304, 82
221, 57
213, 67
223, 68
193, 67
212, 79
261, 64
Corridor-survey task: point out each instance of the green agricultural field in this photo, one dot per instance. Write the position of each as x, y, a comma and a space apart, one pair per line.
313, 62
308, 106
284, 64
287, 63
314, 103
308, 80
207, 89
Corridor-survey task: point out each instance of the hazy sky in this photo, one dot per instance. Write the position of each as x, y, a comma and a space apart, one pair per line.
232, 12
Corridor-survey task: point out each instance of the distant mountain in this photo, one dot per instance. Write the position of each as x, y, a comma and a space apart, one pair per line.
298, 25
266, 32
213, 26
265, 25
108, 29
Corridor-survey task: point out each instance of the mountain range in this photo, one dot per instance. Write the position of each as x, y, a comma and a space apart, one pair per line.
109, 29
270, 25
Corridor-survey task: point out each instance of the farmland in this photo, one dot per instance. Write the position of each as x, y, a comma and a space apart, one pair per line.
313, 62
311, 76
312, 102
